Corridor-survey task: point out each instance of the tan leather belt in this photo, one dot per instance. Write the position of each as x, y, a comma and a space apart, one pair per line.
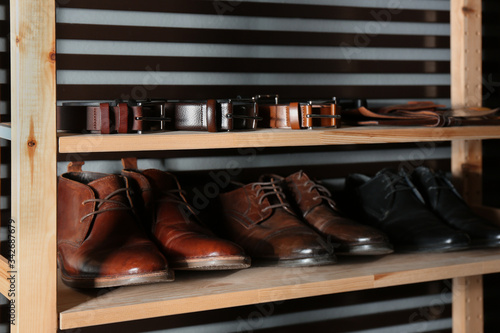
300, 115
210, 115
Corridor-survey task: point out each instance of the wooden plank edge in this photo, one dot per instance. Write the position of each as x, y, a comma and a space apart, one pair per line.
439, 273
88, 143
70, 319
5, 274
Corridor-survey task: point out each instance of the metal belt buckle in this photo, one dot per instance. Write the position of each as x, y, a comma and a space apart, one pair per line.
332, 105
258, 98
154, 107
243, 113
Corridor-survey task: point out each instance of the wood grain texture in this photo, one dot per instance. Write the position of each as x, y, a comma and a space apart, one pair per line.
87, 143
466, 51
467, 309
466, 90
198, 291
4, 275
34, 163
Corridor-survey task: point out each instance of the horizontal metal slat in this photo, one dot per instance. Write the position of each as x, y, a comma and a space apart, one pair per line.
261, 9
106, 92
245, 65
244, 37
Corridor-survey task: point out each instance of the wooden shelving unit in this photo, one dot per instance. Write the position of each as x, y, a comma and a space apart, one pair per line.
41, 307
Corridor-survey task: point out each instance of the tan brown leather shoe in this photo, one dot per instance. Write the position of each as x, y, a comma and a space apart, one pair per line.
100, 242
318, 209
186, 243
258, 217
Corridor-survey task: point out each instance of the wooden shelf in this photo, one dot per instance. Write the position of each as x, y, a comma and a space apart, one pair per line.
200, 291
88, 143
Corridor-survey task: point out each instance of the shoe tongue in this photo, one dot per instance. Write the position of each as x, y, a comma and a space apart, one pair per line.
107, 185
273, 186
161, 180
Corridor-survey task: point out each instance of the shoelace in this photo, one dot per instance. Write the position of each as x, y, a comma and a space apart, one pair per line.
400, 182
271, 188
323, 192
123, 206
396, 184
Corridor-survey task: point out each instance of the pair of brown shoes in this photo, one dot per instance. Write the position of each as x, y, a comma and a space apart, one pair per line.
132, 229
293, 221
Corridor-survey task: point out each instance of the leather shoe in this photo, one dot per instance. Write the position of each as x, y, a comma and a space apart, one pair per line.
100, 243
390, 202
258, 217
315, 204
443, 199
186, 243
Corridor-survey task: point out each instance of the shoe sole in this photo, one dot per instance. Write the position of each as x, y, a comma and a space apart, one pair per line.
298, 262
211, 264
118, 281
437, 249
364, 249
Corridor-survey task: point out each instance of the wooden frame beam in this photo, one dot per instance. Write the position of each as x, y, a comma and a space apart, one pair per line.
34, 152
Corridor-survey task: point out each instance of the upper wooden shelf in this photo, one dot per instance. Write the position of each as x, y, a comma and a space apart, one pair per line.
177, 140
200, 291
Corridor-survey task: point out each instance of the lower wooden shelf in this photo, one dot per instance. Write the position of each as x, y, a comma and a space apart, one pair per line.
200, 291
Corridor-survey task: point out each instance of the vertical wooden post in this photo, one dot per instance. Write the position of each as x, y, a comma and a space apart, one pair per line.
468, 304
34, 149
466, 91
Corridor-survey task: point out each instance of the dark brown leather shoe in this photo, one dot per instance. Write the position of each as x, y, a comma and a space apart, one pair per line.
318, 209
100, 242
186, 243
258, 217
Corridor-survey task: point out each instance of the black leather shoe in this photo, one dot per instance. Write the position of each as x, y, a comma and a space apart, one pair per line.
390, 202
443, 199
314, 202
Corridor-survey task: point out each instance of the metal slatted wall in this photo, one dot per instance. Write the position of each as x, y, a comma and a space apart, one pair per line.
205, 49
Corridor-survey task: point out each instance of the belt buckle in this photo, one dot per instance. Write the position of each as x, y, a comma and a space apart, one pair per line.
331, 116
153, 106
239, 113
257, 98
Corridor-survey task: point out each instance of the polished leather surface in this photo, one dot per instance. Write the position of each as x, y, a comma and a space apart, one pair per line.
186, 243
390, 202
100, 242
319, 210
211, 115
258, 217
298, 115
102, 119
443, 199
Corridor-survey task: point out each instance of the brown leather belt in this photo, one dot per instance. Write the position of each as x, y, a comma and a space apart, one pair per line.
300, 115
210, 115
